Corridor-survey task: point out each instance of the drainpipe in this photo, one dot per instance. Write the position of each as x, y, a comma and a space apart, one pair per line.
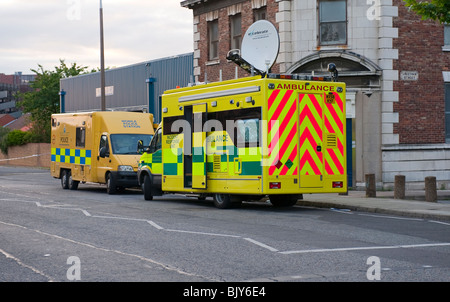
151, 95
62, 101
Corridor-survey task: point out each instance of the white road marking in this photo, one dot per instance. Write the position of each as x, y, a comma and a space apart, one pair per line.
203, 233
439, 222
391, 217
155, 225
272, 249
261, 245
345, 249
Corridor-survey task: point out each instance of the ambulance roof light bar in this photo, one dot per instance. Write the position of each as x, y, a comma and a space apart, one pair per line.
299, 77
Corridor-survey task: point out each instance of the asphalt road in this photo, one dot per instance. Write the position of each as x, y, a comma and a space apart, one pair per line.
51, 234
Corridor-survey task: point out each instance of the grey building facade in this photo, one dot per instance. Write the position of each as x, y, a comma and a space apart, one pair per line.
136, 87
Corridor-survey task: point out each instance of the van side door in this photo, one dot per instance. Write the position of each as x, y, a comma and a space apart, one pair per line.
103, 160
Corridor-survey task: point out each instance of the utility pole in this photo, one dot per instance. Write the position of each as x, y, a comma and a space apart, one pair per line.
102, 61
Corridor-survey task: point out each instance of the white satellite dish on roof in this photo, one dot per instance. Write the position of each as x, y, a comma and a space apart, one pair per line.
260, 45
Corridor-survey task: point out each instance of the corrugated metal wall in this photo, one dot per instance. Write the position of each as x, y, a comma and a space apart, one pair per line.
130, 85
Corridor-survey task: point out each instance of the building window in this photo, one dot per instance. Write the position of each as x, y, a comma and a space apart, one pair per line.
447, 35
213, 39
447, 112
332, 22
235, 30
259, 14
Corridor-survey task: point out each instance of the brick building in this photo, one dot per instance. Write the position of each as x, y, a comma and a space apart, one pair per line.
10, 85
396, 67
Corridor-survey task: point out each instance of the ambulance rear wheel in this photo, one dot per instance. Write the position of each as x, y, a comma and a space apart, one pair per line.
65, 179
147, 188
224, 201
73, 184
111, 187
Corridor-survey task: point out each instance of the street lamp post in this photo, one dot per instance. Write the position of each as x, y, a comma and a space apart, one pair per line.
102, 61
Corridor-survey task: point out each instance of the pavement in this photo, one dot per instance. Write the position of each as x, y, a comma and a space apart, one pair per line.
414, 204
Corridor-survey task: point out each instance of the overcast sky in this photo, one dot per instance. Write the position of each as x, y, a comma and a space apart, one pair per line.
41, 32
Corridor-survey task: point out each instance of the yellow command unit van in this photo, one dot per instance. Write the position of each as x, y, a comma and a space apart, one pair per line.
244, 139
98, 147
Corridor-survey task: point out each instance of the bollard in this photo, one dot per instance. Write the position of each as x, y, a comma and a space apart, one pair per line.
370, 185
430, 189
399, 187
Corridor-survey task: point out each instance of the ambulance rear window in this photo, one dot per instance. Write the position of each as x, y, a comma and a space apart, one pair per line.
80, 137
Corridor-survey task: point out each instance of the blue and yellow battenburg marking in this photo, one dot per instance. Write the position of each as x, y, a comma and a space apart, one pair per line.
71, 156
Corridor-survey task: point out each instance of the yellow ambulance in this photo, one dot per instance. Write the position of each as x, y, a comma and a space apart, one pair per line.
268, 135
98, 147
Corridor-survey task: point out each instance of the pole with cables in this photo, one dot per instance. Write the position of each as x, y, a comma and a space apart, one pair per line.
102, 61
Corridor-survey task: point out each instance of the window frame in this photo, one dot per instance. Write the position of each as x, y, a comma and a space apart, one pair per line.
447, 111
235, 37
80, 137
447, 36
320, 23
260, 13
213, 41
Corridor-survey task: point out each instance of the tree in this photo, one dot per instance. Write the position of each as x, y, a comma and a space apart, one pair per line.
438, 10
43, 100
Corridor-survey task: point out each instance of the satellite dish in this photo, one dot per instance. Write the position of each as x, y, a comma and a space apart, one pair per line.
260, 45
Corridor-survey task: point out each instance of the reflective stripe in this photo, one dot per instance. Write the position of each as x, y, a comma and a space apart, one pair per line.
334, 155
283, 136
311, 155
71, 156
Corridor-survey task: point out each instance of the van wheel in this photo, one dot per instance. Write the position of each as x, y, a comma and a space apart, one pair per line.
65, 179
284, 200
147, 187
110, 184
223, 201
73, 184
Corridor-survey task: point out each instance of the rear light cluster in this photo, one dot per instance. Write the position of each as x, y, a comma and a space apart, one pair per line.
338, 184
274, 185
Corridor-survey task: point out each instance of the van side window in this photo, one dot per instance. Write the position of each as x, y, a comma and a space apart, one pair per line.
156, 143
80, 137
104, 143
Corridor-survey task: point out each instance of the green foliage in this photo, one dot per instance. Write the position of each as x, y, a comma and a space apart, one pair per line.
9, 138
44, 99
438, 10
3, 135
16, 138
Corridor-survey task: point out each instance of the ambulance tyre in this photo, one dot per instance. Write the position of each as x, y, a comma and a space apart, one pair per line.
111, 187
284, 200
226, 201
65, 179
147, 187
73, 184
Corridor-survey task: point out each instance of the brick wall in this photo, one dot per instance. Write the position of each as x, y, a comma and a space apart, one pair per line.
421, 103
228, 68
29, 155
